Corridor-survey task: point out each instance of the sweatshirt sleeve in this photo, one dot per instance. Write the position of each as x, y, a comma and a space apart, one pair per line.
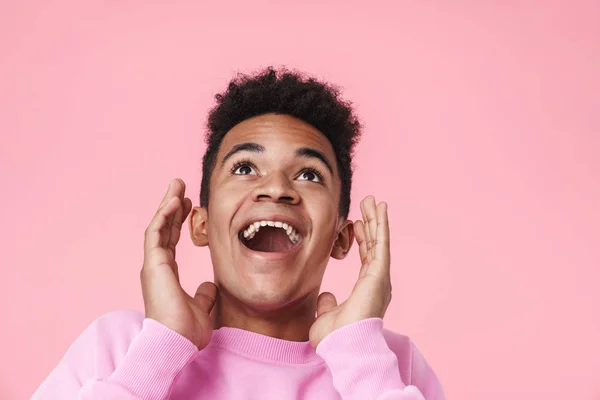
363, 366
103, 364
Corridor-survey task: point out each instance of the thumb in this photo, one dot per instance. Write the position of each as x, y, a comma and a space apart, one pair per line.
325, 303
206, 296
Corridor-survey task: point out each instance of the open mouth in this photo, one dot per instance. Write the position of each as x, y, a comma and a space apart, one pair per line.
270, 237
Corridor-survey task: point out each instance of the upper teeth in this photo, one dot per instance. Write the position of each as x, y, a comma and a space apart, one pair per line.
254, 227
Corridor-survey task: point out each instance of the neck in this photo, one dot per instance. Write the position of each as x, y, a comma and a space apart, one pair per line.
290, 322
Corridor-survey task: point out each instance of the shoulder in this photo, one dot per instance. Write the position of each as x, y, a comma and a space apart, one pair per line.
117, 329
402, 346
118, 324
105, 341
413, 367
94, 354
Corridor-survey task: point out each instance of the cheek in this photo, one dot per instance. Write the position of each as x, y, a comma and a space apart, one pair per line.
322, 205
231, 193
224, 202
220, 209
324, 225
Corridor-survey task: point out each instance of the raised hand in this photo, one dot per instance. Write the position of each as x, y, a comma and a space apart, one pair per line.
164, 299
372, 292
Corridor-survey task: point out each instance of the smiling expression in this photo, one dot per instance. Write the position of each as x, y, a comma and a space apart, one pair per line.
273, 214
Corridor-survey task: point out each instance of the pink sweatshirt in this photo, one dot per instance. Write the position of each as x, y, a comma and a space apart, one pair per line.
124, 356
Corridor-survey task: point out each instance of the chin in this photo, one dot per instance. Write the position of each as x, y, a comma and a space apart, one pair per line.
264, 292
267, 292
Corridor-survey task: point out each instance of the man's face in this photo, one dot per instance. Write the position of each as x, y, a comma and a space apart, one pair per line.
280, 171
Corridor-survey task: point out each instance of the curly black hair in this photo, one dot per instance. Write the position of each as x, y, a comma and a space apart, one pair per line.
290, 93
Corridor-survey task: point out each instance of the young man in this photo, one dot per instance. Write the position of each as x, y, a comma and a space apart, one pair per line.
274, 203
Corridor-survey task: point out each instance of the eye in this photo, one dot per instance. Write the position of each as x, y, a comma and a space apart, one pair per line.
312, 175
243, 168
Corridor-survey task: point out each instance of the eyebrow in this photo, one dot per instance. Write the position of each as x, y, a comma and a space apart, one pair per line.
248, 146
305, 152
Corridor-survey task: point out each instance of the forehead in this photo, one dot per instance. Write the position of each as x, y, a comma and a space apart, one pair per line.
277, 132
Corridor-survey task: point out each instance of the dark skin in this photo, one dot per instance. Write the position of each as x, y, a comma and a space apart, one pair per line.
274, 294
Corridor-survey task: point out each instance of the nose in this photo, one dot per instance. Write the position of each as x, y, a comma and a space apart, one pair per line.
276, 188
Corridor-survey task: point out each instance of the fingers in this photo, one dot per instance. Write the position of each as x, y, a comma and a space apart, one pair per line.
206, 296
373, 234
361, 239
365, 221
370, 210
187, 207
180, 216
155, 232
382, 247
176, 188
159, 231
325, 303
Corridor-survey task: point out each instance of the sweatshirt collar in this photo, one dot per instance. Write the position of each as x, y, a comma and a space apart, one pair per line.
263, 347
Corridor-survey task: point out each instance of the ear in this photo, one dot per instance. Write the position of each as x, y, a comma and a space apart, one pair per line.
344, 240
198, 232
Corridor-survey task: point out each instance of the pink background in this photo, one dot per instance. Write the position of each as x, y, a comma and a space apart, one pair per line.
482, 132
